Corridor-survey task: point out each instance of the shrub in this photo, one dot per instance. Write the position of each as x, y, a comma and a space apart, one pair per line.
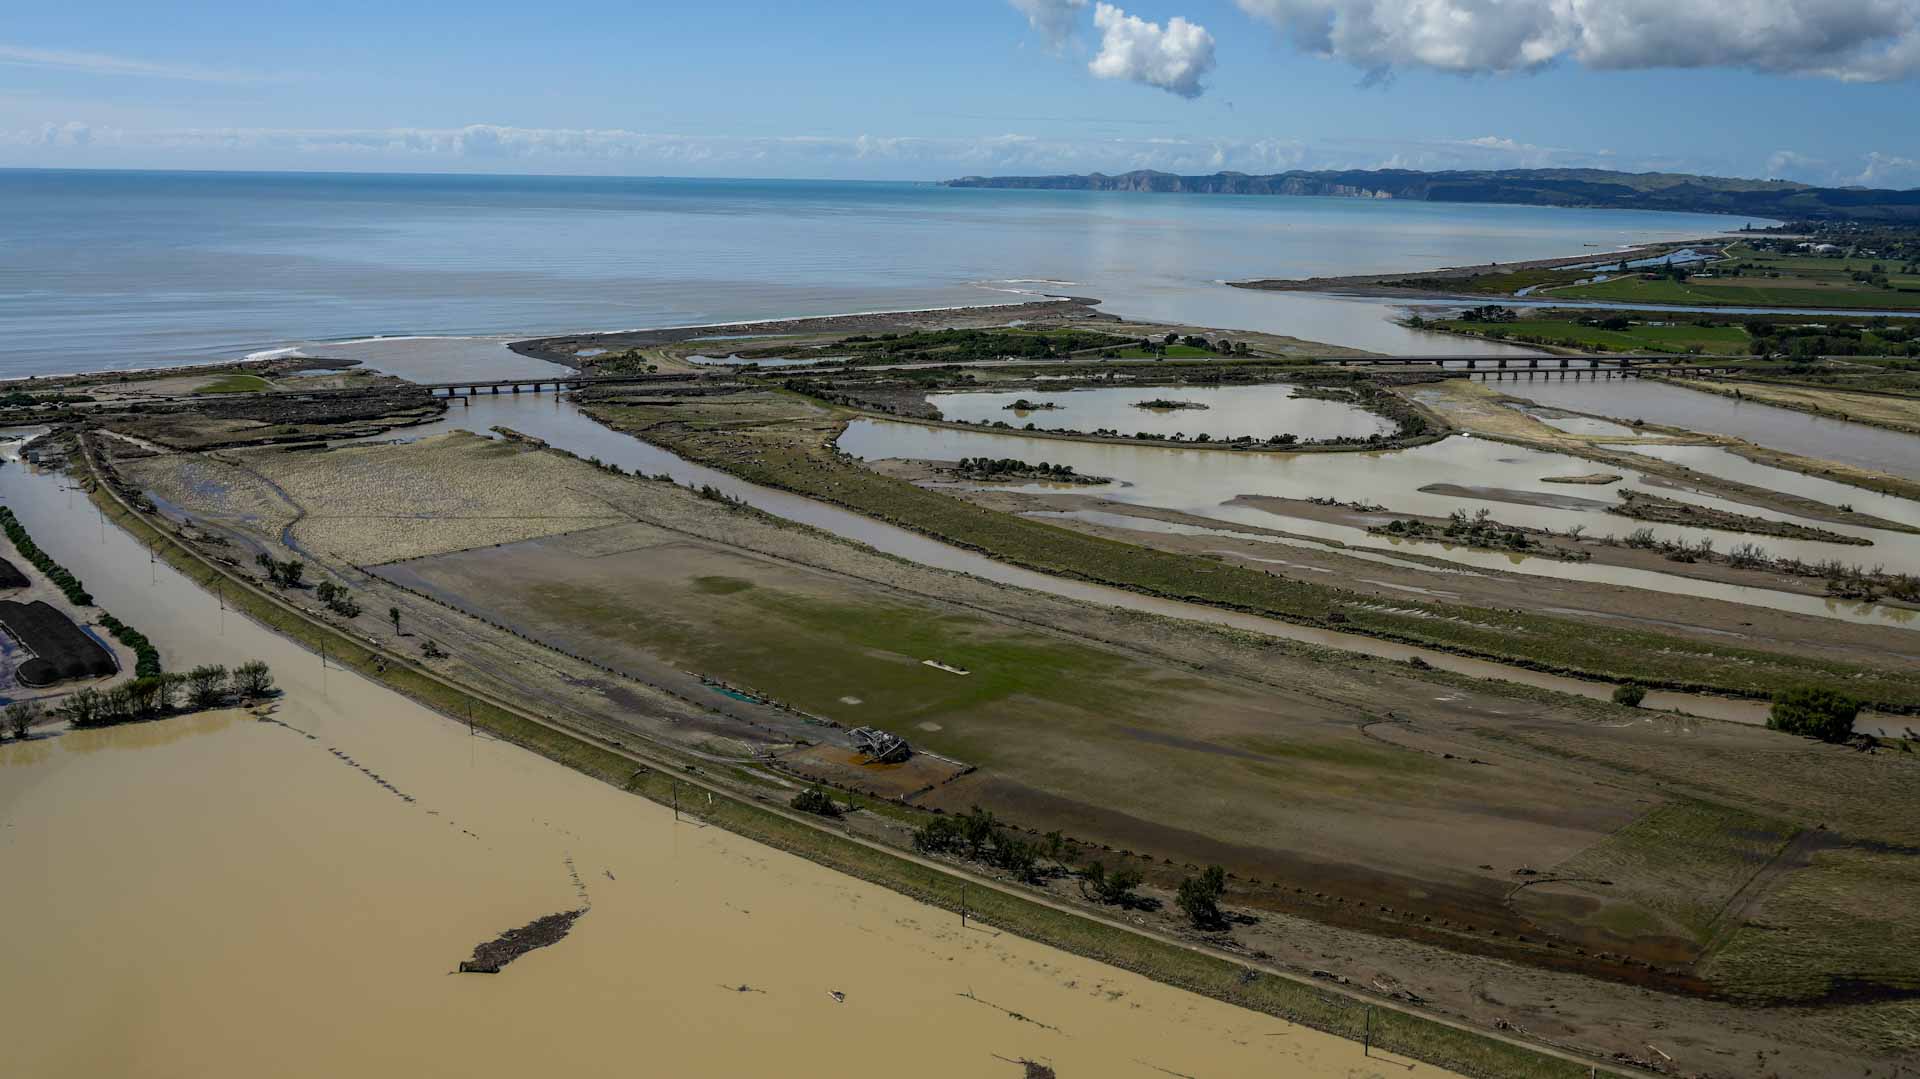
1200, 896
1814, 711
21, 716
817, 801
1629, 694
83, 707
207, 685
252, 680
1114, 889
940, 835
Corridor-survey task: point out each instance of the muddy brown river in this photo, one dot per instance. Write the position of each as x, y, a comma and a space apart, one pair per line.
219, 896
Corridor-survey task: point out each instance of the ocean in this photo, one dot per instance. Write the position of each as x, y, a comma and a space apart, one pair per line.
141, 269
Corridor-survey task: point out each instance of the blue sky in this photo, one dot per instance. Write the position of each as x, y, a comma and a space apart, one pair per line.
1817, 90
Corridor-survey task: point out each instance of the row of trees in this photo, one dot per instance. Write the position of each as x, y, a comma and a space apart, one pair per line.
1001, 466
206, 686
62, 578
977, 835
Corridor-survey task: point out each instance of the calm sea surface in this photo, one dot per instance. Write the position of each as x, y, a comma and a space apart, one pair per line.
118, 269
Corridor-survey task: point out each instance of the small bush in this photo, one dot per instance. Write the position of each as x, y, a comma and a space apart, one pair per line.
252, 680
21, 716
1629, 694
817, 801
1200, 896
207, 685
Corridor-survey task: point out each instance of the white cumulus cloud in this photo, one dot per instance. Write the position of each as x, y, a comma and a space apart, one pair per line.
1174, 57
1850, 40
1053, 20
71, 134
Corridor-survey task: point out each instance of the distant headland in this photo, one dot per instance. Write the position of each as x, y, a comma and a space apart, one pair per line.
1782, 199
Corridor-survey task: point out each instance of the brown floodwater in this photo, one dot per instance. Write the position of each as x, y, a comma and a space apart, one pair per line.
216, 895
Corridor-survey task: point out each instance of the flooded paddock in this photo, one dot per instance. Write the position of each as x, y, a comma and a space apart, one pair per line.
307, 884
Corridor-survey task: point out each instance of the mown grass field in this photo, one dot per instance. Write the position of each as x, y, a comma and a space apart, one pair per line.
1684, 861
236, 383
1173, 352
1849, 910
1675, 337
1802, 281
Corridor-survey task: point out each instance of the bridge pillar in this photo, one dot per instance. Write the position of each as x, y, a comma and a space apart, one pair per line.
1503, 363
1533, 363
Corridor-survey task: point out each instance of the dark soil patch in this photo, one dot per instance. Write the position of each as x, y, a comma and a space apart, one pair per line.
61, 650
11, 577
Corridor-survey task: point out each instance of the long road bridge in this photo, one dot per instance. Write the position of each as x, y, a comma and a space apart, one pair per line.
1496, 367
470, 387
1500, 367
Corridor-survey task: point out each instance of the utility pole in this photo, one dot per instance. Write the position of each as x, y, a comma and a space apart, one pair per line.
1367, 1046
963, 904
676, 801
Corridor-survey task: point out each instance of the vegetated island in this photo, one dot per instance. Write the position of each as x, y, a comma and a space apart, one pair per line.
1010, 470
1528, 187
1167, 404
1645, 507
1024, 405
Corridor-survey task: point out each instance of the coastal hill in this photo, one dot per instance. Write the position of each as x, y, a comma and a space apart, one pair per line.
1536, 187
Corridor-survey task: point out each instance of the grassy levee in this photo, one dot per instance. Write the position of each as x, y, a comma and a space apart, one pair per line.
1538, 642
659, 777
1716, 340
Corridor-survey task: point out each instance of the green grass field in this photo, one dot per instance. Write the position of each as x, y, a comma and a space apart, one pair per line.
1851, 910
1803, 281
1740, 292
1677, 337
1683, 861
236, 384
1174, 352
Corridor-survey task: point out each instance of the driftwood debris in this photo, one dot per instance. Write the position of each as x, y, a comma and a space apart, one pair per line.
488, 958
1031, 1069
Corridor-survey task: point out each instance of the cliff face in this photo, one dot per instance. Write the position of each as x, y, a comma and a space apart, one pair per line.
1535, 187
